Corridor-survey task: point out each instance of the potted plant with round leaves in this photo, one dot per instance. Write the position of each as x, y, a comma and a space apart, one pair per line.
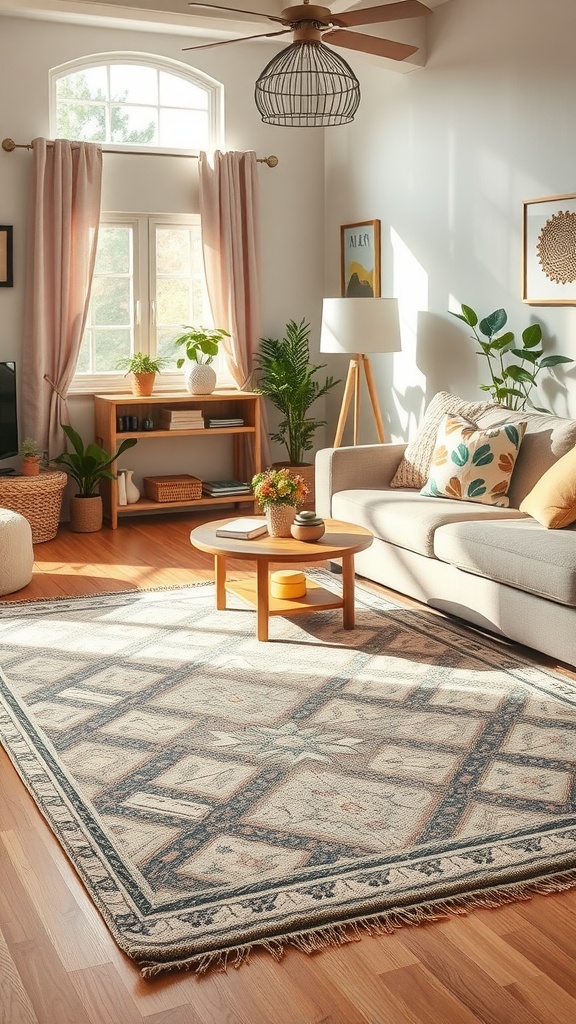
31, 455
143, 369
200, 346
88, 466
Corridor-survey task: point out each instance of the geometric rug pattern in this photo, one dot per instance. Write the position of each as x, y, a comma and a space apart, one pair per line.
215, 793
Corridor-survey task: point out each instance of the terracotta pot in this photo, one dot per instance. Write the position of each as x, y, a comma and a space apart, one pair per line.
31, 465
279, 519
143, 383
86, 514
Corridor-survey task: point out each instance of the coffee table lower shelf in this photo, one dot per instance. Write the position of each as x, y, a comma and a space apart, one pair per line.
316, 599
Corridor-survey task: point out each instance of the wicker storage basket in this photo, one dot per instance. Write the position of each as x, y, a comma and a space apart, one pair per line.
173, 488
38, 499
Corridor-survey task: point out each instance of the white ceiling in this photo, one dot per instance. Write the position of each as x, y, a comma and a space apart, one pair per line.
169, 15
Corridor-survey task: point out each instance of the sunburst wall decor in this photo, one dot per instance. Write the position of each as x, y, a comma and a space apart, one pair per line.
549, 251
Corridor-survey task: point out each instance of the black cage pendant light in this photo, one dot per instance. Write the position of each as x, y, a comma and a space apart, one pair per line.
307, 85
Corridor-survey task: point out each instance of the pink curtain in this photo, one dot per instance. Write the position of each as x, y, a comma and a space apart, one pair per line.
230, 216
64, 213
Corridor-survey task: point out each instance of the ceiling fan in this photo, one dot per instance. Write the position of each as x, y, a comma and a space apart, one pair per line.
312, 23
307, 84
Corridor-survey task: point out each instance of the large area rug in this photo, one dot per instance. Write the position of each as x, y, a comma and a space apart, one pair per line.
215, 793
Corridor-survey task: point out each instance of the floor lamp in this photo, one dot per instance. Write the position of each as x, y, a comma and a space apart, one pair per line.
356, 327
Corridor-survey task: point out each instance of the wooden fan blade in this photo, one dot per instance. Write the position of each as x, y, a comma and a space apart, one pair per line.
235, 10
370, 44
377, 15
238, 39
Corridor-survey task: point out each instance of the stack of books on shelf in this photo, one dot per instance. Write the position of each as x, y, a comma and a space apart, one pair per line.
225, 421
225, 488
181, 419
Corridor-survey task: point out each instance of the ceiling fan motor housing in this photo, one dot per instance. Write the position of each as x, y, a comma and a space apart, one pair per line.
309, 12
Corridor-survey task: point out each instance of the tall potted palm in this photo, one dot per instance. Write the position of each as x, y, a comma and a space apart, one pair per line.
88, 466
286, 376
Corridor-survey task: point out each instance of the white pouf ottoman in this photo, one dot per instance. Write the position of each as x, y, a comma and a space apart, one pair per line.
16, 551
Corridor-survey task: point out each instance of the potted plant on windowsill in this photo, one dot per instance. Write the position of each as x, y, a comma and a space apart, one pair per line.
88, 466
31, 455
200, 347
143, 369
286, 376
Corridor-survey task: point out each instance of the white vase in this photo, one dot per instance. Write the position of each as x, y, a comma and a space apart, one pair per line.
200, 379
279, 519
132, 492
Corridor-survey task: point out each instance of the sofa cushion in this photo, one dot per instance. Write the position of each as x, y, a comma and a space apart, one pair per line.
520, 553
407, 518
413, 468
473, 465
546, 440
552, 500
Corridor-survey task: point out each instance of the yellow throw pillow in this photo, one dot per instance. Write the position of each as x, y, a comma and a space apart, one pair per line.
552, 500
470, 464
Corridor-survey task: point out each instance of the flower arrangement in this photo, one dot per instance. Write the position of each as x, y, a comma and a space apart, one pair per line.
279, 487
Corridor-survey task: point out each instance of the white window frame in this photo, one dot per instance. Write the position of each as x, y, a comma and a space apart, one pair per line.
213, 88
143, 313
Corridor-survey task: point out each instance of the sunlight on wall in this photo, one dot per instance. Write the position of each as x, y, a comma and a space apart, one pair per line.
410, 286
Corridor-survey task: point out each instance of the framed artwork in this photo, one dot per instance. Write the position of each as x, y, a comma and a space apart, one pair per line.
360, 259
549, 251
6, 266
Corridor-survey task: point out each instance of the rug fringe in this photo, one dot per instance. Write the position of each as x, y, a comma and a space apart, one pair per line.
314, 940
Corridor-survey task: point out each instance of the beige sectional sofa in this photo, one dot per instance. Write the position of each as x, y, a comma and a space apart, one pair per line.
492, 566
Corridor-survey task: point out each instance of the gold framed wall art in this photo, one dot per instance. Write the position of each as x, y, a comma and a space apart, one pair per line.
360, 259
549, 251
6, 267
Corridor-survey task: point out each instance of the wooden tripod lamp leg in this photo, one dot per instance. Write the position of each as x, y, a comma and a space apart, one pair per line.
373, 399
349, 389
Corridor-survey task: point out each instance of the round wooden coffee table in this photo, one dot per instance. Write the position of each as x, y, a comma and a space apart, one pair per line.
341, 540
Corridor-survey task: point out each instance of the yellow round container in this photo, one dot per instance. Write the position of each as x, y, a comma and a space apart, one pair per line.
287, 584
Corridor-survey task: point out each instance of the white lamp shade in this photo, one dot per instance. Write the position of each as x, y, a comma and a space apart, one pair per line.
360, 325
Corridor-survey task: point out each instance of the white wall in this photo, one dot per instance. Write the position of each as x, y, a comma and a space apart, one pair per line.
292, 194
444, 157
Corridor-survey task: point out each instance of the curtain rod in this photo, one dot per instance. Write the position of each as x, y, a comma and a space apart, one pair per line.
8, 145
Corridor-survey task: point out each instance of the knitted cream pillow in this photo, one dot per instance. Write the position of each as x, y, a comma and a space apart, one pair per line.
414, 466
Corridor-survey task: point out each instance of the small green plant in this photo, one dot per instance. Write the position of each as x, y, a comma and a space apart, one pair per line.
88, 466
141, 363
512, 382
29, 448
200, 344
286, 377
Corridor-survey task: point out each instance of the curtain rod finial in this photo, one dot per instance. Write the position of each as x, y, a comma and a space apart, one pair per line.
8, 145
272, 161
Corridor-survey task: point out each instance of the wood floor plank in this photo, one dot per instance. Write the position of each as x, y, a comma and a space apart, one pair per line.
71, 932
513, 965
15, 1006
491, 1003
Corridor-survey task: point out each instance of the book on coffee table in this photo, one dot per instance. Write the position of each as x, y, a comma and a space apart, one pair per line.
243, 529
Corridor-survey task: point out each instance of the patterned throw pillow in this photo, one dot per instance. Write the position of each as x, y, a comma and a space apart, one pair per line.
415, 463
471, 464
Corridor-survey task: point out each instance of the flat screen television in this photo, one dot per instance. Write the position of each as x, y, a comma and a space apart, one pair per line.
8, 412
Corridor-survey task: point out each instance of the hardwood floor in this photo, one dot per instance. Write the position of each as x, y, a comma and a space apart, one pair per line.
59, 964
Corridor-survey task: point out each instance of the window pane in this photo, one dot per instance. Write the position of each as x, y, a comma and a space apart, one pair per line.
136, 125
111, 345
166, 347
113, 255
184, 129
91, 84
130, 83
173, 251
177, 92
173, 298
111, 301
85, 122
83, 365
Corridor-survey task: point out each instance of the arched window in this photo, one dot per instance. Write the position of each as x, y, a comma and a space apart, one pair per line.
136, 101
